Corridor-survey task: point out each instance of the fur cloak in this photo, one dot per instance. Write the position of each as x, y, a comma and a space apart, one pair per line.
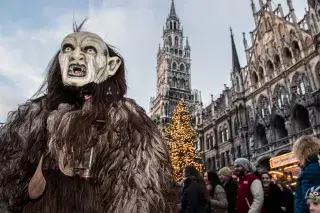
130, 170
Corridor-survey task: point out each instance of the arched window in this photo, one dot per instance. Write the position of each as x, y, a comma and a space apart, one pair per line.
254, 78
235, 126
176, 41
182, 67
169, 40
287, 54
227, 132
166, 108
211, 140
183, 83
221, 135
174, 65
176, 51
261, 73
270, 67
292, 33
175, 25
170, 25
264, 106
296, 49
281, 97
301, 85
174, 82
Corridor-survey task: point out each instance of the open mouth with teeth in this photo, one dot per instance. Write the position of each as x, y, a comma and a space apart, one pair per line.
77, 70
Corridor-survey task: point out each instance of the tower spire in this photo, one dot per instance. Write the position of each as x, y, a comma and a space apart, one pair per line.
173, 13
235, 58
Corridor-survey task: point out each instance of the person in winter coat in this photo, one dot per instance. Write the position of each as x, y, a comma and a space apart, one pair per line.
306, 149
313, 199
194, 194
272, 194
250, 192
287, 198
230, 186
218, 198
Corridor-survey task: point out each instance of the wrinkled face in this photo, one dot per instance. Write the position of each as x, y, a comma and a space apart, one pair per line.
314, 207
84, 59
239, 170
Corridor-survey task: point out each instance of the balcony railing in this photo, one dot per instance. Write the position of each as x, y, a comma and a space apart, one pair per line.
272, 146
283, 142
308, 131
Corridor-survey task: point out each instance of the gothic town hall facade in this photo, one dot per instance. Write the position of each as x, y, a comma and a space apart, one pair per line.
272, 100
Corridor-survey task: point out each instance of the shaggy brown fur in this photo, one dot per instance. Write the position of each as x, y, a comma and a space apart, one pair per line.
130, 170
306, 146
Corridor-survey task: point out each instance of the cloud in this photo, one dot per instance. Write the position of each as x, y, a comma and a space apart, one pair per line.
135, 28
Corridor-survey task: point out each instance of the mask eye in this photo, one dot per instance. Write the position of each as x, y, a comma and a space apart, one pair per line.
67, 48
90, 50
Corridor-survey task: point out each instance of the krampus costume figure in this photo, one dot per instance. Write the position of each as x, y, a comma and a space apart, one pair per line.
83, 147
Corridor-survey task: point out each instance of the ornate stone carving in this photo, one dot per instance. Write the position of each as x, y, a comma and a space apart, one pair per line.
251, 142
268, 134
312, 116
288, 126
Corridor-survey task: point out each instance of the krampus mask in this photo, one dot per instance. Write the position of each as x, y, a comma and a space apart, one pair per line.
83, 147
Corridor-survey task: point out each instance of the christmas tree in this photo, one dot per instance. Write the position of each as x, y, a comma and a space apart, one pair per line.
181, 138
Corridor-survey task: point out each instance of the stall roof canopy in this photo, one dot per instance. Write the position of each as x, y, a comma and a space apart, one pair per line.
282, 160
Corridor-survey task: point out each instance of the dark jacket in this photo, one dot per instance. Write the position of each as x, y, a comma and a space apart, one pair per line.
193, 199
310, 176
287, 199
231, 190
272, 199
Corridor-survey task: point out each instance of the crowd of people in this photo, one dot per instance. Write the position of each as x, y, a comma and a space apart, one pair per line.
244, 190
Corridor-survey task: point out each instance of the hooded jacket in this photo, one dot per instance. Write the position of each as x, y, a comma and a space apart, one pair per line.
306, 150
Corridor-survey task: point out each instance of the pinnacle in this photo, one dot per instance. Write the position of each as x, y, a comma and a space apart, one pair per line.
235, 58
173, 13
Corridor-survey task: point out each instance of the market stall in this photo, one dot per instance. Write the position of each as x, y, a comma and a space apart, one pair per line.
285, 169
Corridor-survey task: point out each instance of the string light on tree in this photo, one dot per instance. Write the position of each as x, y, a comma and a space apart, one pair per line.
181, 137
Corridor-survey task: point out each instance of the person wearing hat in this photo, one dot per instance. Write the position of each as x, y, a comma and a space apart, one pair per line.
313, 199
250, 195
230, 186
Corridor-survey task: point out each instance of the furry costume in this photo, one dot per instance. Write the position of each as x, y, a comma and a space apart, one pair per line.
83, 147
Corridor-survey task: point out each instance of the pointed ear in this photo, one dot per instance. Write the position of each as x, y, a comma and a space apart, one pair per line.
113, 65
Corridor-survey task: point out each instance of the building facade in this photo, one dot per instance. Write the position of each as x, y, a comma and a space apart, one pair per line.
173, 72
272, 100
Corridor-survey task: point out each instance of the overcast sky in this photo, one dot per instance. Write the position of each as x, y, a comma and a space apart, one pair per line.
31, 32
